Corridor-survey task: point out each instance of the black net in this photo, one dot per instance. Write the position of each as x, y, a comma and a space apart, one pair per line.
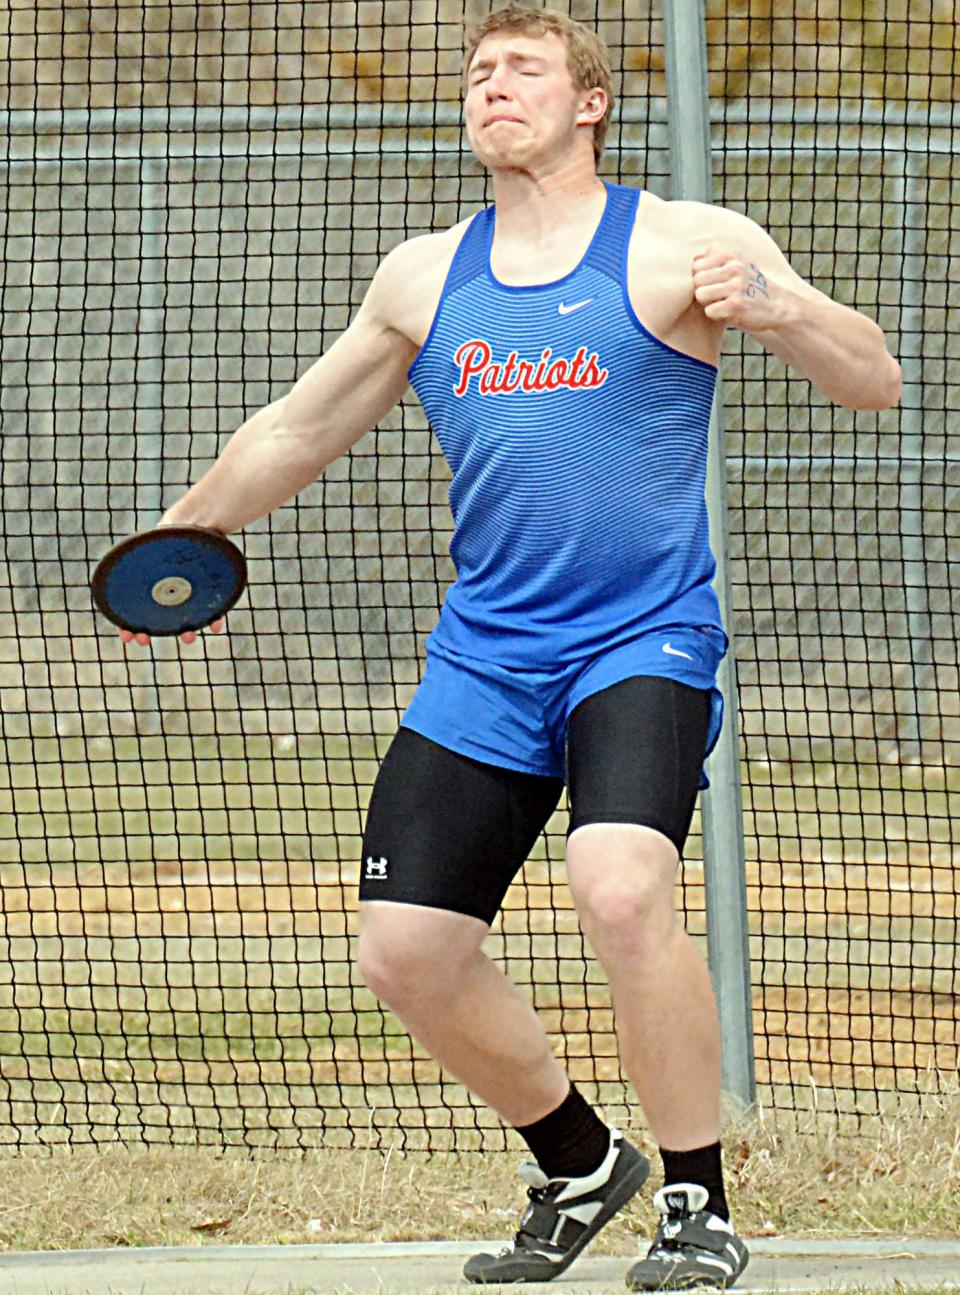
195, 198
836, 130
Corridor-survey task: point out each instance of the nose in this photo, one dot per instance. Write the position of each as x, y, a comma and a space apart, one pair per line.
495, 86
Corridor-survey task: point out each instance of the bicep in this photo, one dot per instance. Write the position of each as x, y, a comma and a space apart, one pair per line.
755, 244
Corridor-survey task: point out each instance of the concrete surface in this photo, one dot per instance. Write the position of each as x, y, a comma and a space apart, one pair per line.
777, 1265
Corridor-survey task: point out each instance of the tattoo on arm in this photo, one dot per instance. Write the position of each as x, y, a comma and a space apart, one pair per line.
758, 282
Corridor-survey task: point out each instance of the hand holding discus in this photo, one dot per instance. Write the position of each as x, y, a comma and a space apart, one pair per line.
172, 580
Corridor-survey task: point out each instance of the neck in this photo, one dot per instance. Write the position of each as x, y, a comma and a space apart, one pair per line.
533, 205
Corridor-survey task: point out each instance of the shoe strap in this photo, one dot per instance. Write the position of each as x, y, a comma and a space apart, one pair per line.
690, 1233
544, 1225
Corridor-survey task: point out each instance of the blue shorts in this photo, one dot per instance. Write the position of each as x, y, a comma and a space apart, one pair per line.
517, 718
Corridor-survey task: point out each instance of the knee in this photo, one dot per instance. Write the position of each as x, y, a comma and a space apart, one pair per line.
627, 910
404, 959
624, 896
392, 968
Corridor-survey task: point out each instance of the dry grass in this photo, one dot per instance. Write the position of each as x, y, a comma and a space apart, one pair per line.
901, 1176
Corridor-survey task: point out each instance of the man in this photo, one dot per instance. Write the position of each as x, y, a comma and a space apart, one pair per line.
564, 345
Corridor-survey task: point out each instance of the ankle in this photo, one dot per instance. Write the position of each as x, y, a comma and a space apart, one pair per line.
569, 1142
702, 1166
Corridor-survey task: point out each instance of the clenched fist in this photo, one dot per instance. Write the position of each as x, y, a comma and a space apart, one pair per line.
735, 291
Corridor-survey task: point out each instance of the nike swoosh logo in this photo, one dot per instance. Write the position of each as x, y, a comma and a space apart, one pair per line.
672, 651
577, 305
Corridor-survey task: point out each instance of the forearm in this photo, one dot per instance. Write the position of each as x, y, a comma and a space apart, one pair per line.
264, 464
843, 353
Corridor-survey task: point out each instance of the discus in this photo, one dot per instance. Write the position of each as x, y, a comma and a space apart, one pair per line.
169, 580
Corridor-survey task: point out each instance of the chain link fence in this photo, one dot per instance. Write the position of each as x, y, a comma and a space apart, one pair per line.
188, 224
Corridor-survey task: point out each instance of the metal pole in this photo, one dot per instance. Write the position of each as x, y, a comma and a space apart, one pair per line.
724, 863
98, 128
919, 674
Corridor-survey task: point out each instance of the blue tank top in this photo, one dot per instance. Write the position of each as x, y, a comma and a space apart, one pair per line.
578, 446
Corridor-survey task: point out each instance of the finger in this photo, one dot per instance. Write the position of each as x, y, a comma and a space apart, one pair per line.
709, 265
721, 310
215, 627
712, 293
142, 639
125, 636
717, 274
706, 260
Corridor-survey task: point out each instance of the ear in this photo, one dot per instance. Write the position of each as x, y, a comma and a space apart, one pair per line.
593, 107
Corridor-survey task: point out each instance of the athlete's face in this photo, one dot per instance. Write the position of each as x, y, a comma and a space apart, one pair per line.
521, 104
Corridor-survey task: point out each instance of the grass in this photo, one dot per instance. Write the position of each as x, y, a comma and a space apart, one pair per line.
898, 1176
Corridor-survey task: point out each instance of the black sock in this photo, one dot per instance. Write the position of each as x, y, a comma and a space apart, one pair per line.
701, 1166
571, 1141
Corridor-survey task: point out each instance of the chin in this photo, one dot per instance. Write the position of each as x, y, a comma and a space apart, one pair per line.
507, 159
514, 154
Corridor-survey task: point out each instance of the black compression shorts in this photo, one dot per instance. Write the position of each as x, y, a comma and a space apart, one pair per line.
447, 831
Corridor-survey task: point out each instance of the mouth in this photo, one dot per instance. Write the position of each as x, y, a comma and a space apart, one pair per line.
493, 121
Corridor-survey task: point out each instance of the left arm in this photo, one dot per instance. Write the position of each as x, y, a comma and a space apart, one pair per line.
742, 279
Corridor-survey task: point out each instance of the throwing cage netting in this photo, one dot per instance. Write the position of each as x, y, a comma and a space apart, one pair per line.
195, 197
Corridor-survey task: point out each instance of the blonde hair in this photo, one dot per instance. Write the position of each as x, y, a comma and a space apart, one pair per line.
587, 57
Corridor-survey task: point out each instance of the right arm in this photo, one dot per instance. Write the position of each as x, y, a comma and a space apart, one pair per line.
286, 445
284, 448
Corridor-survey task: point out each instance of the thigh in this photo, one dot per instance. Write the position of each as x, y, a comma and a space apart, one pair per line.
447, 831
635, 751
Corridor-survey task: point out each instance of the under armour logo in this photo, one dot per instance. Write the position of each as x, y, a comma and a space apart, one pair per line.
376, 869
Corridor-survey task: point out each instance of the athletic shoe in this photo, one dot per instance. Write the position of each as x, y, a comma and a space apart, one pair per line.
692, 1247
564, 1214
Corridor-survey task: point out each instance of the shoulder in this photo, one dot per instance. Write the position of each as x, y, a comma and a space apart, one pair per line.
417, 257
694, 221
407, 285
697, 224
667, 239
